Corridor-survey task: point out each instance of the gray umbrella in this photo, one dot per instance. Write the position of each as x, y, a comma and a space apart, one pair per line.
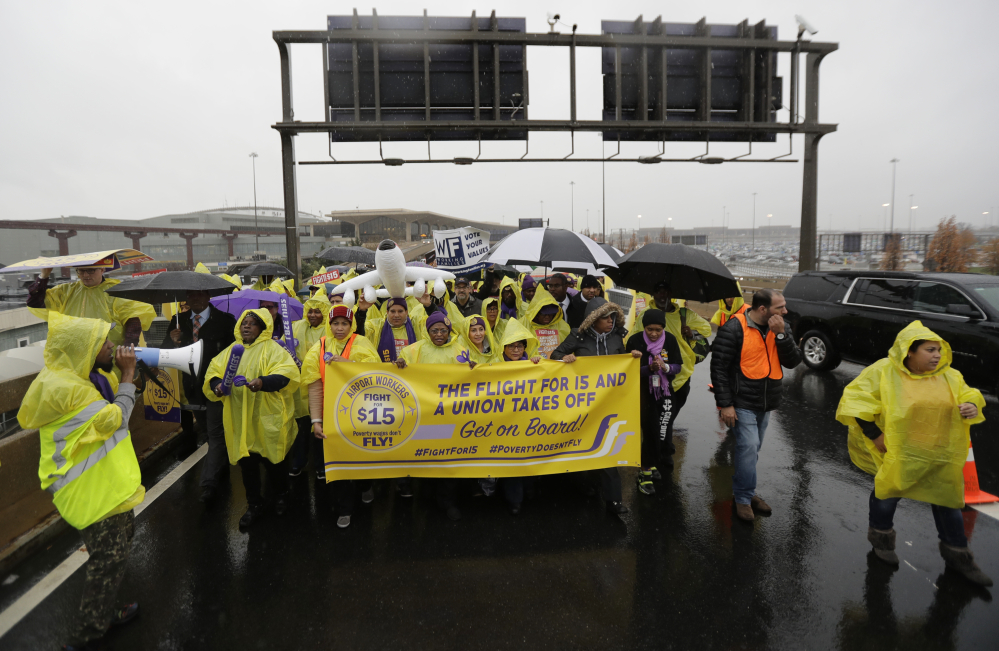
266, 269
170, 286
342, 254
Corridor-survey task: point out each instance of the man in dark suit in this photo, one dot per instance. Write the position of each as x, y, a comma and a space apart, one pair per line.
215, 328
589, 288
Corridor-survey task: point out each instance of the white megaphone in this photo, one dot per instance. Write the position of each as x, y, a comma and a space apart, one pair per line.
186, 359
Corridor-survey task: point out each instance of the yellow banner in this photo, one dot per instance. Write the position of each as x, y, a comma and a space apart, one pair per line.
510, 419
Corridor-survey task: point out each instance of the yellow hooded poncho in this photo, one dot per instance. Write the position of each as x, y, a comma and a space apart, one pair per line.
64, 387
723, 313
76, 299
305, 338
373, 330
547, 337
235, 280
286, 287
926, 437
515, 286
201, 269
514, 332
361, 350
261, 422
452, 310
424, 351
500, 321
474, 354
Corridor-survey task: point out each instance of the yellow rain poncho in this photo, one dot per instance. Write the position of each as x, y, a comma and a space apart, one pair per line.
201, 269
514, 332
76, 299
515, 286
62, 388
425, 352
673, 325
261, 422
305, 338
548, 336
500, 321
373, 331
361, 351
286, 287
475, 354
926, 436
235, 280
723, 313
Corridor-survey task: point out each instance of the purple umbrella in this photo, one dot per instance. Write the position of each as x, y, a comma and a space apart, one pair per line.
249, 299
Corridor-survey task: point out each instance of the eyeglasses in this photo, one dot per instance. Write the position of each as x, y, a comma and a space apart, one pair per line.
86, 272
517, 345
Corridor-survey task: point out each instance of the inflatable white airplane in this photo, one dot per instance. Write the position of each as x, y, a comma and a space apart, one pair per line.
392, 274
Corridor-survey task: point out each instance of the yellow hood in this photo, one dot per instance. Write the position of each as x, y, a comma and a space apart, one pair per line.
201, 269
514, 332
265, 316
542, 298
914, 332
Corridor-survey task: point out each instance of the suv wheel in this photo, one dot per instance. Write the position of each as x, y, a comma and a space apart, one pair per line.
818, 352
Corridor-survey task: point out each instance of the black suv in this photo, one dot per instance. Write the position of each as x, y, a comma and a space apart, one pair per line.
856, 315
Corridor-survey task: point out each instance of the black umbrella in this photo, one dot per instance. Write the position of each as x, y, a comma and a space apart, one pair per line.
690, 273
265, 269
169, 286
357, 254
612, 251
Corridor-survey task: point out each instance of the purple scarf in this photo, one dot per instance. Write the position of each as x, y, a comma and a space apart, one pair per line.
507, 359
102, 385
507, 312
655, 351
386, 344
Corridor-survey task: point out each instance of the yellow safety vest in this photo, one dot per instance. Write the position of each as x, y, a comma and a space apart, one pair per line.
102, 474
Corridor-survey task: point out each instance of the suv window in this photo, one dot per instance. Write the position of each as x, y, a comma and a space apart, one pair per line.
815, 288
883, 292
935, 297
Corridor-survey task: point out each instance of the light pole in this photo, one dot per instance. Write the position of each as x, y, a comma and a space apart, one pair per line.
572, 208
753, 246
884, 221
894, 163
256, 226
669, 223
911, 208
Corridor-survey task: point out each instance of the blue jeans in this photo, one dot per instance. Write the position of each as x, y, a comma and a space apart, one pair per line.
950, 524
749, 430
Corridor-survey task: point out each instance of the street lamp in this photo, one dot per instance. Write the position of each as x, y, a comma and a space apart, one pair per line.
256, 226
572, 199
669, 227
884, 222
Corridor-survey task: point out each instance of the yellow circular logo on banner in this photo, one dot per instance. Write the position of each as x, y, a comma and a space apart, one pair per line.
377, 412
159, 399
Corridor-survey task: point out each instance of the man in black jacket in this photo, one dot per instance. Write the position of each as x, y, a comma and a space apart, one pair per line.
216, 329
466, 303
589, 288
746, 360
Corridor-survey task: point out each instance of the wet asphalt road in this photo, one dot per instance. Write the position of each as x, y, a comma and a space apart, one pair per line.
678, 571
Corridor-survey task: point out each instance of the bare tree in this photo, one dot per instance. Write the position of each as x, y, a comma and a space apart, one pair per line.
632, 243
991, 256
664, 236
950, 248
892, 261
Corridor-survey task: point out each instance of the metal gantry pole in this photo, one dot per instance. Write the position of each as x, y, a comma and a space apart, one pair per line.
294, 257
810, 173
894, 163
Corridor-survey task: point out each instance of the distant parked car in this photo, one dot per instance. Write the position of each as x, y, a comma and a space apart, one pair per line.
855, 316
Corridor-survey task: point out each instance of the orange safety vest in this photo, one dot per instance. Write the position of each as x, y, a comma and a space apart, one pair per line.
724, 317
759, 357
322, 362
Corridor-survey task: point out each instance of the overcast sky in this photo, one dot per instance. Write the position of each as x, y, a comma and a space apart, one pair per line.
128, 110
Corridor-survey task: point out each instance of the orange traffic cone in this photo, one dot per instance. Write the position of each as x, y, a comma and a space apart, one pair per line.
972, 493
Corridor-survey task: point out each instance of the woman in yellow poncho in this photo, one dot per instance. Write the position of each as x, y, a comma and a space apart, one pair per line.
440, 347
340, 344
259, 416
393, 332
478, 341
909, 417
511, 304
491, 310
544, 319
308, 331
728, 308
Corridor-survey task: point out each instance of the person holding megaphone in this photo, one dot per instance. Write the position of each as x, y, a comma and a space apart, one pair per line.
256, 381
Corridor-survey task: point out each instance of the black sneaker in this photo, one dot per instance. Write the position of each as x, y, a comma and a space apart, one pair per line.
405, 489
125, 614
294, 472
253, 513
321, 474
617, 508
368, 496
656, 474
645, 484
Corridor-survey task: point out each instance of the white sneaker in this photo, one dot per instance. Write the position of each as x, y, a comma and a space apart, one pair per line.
368, 496
343, 521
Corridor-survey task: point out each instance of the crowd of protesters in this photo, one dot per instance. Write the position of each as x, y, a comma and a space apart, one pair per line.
906, 415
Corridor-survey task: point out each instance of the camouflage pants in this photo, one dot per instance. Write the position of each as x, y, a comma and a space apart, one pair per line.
108, 542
